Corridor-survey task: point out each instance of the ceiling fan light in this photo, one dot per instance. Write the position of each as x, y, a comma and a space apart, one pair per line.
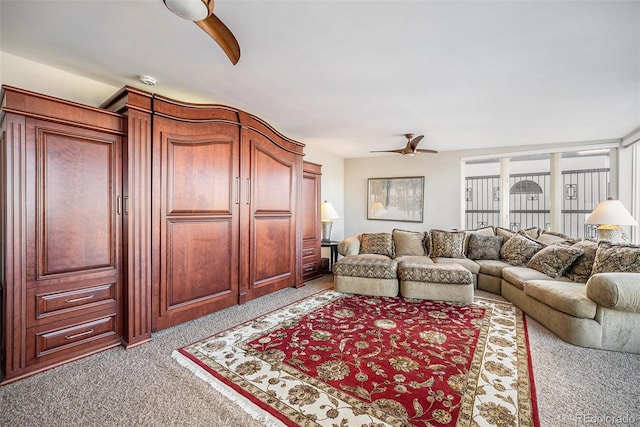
193, 10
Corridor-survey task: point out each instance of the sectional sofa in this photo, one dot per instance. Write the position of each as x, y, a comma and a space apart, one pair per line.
586, 292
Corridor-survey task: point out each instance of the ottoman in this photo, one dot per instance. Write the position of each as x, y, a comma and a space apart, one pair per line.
443, 282
375, 275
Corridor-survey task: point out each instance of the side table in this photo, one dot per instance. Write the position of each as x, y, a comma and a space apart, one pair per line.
333, 245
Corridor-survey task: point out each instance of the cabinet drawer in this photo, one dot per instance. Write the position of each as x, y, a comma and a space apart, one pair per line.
309, 252
65, 339
310, 270
47, 305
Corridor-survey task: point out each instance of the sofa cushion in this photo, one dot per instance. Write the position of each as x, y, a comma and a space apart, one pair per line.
371, 266
408, 242
484, 247
567, 297
620, 291
469, 264
580, 270
414, 258
447, 244
519, 249
554, 260
517, 276
492, 267
622, 258
376, 243
434, 273
349, 246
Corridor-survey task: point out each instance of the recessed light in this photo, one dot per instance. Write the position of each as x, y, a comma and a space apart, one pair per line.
148, 80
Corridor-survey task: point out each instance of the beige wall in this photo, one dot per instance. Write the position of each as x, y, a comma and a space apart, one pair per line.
36, 77
442, 190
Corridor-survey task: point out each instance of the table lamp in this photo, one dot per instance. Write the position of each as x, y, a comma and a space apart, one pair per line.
327, 214
609, 215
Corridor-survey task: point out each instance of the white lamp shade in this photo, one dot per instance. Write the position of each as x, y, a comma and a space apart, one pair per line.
328, 212
610, 212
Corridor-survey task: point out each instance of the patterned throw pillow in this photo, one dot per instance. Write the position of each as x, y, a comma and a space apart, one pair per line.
519, 249
447, 244
555, 259
623, 258
484, 247
408, 242
505, 233
376, 243
580, 271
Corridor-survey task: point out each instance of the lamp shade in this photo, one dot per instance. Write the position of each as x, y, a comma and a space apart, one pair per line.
328, 212
611, 212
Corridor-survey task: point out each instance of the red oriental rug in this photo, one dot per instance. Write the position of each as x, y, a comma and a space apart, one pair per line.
349, 360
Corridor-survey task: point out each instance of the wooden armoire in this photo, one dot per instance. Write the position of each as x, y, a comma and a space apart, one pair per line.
141, 214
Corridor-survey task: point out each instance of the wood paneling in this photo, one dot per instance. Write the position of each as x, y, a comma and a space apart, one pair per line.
62, 229
136, 106
272, 175
196, 221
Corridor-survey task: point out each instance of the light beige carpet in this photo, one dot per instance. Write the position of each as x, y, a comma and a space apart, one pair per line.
144, 386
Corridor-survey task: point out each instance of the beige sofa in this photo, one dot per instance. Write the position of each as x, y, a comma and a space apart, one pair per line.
586, 292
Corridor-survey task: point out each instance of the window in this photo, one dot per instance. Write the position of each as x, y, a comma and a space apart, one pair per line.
584, 183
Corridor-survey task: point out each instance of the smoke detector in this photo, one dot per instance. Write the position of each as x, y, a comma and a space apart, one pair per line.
148, 80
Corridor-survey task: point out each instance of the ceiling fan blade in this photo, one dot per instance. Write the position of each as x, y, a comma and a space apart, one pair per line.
222, 35
425, 151
401, 151
415, 141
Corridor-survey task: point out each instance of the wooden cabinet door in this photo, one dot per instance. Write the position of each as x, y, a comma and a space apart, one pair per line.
310, 217
268, 234
195, 219
73, 248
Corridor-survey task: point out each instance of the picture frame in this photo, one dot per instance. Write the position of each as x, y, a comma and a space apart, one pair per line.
396, 199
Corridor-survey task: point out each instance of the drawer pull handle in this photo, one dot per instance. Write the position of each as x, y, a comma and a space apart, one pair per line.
70, 337
69, 301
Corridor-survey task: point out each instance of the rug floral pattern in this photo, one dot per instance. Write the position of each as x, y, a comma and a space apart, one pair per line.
348, 360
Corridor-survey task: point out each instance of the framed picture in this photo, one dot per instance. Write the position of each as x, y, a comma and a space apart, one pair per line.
396, 199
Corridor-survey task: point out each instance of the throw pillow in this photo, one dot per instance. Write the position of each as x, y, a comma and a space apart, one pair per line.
550, 237
505, 233
408, 242
447, 244
623, 258
519, 249
580, 271
485, 231
376, 243
532, 232
554, 260
484, 247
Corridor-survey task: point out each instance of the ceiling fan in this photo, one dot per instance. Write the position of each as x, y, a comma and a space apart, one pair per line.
411, 148
201, 13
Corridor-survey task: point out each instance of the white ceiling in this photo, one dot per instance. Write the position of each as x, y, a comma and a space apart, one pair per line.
353, 76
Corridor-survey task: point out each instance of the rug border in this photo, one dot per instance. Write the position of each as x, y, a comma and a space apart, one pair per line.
532, 382
256, 409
